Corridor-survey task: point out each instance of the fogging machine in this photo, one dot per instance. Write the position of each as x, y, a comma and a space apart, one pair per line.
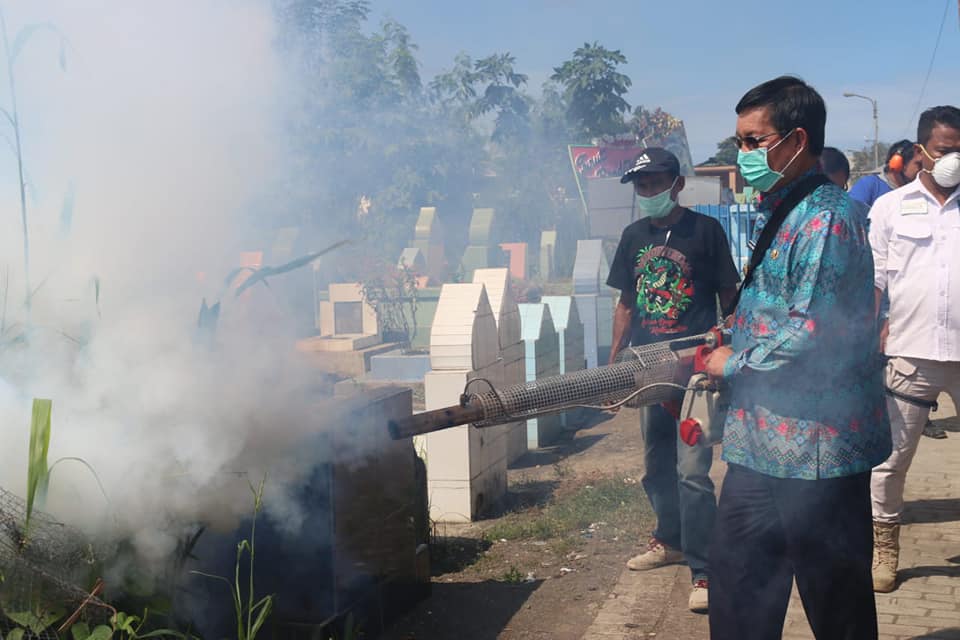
662, 372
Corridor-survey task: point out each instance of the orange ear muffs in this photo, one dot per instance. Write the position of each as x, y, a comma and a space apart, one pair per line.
896, 163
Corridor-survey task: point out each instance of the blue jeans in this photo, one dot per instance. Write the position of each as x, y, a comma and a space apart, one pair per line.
677, 482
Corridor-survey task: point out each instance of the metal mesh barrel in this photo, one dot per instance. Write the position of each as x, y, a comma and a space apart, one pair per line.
639, 367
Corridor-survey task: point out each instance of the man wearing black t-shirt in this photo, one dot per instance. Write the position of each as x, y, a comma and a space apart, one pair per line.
671, 266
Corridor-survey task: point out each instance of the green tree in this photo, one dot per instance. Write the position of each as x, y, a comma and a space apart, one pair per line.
401, 57
503, 97
456, 87
862, 160
726, 152
594, 90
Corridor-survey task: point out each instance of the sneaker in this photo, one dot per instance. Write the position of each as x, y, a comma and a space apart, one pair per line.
656, 555
699, 596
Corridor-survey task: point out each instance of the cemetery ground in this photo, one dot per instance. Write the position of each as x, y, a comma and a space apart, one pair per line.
551, 564
547, 561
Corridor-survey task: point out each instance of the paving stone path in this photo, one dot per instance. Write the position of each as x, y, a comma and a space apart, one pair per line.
926, 605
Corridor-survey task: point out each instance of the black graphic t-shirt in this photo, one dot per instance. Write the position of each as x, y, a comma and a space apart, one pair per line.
674, 274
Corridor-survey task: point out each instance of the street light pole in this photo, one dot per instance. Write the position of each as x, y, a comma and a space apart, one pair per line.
876, 126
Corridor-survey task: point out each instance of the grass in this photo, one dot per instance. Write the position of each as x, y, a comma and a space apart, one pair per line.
512, 576
614, 501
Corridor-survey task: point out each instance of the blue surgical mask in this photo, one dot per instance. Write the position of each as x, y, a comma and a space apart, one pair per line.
756, 170
658, 206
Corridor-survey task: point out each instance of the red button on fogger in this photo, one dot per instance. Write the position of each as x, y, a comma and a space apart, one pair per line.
690, 431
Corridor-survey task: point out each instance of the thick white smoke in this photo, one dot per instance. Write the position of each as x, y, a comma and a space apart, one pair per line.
166, 122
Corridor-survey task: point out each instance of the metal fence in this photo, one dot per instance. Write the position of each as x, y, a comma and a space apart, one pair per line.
737, 221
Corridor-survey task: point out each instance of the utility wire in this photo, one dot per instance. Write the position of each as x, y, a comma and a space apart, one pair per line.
933, 57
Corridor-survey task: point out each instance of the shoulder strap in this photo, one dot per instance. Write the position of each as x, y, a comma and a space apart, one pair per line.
806, 186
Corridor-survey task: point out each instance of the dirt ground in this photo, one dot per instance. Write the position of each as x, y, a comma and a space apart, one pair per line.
539, 569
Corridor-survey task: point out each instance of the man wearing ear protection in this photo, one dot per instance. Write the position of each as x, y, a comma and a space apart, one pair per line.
670, 267
914, 234
900, 168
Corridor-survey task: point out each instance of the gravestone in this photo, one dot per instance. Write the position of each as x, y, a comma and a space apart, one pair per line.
428, 237
482, 250
466, 466
349, 332
542, 357
347, 317
548, 251
412, 258
505, 312
595, 300
566, 321
516, 258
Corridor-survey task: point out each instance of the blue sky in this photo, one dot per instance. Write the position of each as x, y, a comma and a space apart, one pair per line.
696, 58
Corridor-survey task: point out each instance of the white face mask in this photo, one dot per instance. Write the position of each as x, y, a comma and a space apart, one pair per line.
946, 169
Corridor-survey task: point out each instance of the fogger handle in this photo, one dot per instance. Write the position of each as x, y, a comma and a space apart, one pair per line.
429, 421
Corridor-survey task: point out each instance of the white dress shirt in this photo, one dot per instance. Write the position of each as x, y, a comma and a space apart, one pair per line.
916, 256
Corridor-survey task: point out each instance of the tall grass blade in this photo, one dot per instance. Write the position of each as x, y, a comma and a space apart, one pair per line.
37, 471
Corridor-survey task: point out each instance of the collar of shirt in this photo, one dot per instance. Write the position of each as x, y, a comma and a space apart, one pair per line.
917, 187
769, 201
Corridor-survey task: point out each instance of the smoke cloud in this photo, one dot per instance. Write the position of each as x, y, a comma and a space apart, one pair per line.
164, 131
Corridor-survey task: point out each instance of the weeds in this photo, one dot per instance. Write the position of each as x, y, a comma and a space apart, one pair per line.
512, 576
37, 471
609, 500
251, 613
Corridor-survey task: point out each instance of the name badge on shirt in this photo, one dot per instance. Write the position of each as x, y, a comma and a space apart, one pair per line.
913, 207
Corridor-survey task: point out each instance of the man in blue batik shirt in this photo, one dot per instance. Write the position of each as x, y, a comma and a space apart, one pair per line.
807, 420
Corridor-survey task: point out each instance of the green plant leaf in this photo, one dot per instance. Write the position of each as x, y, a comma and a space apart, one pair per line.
80, 631
16, 634
39, 618
37, 472
164, 633
103, 632
262, 609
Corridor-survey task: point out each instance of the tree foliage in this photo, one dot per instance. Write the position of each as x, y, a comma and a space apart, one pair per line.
594, 90
727, 151
374, 140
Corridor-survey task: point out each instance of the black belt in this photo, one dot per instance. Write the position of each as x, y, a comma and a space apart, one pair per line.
920, 402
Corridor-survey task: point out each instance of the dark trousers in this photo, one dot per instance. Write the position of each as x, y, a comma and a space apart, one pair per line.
677, 482
771, 530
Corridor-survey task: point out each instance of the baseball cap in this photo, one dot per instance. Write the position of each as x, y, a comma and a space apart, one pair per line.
652, 160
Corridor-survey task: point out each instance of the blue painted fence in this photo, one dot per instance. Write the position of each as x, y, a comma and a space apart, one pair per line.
737, 221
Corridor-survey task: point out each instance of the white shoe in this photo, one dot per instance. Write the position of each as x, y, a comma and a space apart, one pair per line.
656, 555
699, 596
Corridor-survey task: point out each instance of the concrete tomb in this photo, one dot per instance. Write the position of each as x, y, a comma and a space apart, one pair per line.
548, 252
482, 249
413, 258
428, 238
466, 466
566, 321
595, 300
507, 315
516, 258
349, 332
542, 357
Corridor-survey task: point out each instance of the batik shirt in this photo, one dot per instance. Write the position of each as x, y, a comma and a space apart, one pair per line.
807, 397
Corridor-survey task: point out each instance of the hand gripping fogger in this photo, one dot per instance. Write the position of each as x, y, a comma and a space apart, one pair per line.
642, 376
